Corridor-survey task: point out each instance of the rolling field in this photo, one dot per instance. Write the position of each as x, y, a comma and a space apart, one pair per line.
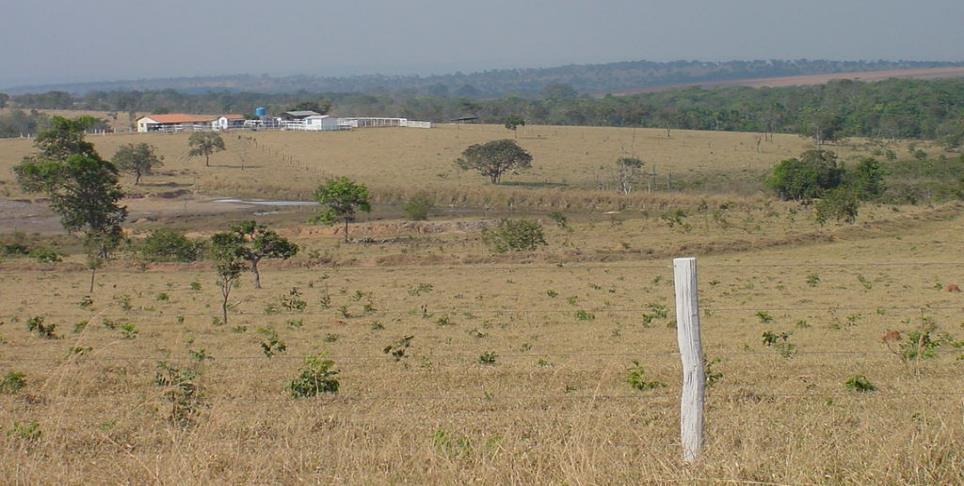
460, 365
394, 161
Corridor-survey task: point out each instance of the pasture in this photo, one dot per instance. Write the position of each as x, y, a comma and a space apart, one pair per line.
457, 364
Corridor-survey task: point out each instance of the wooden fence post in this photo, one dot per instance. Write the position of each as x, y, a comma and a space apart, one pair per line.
691, 353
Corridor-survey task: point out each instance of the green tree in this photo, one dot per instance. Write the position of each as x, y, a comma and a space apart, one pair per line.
257, 242
418, 206
629, 170
137, 160
815, 172
65, 137
495, 158
867, 179
821, 124
321, 106
167, 245
82, 188
342, 198
206, 144
515, 235
513, 122
227, 252
4, 98
840, 204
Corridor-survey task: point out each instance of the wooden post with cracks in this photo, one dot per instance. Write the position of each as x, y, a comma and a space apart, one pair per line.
691, 353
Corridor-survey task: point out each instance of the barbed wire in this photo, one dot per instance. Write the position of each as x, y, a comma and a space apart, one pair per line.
495, 396
389, 360
434, 312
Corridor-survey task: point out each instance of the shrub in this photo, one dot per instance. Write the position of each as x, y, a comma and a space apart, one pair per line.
181, 390
560, 219
859, 383
487, 358
36, 325
397, 349
29, 431
45, 255
12, 382
515, 235
293, 301
840, 204
317, 376
636, 377
867, 178
167, 245
272, 344
418, 206
780, 342
815, 172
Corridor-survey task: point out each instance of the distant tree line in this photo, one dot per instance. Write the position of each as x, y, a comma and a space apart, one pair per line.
527, 82
924, 109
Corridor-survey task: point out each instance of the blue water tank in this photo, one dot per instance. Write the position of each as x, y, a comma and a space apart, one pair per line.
260, 112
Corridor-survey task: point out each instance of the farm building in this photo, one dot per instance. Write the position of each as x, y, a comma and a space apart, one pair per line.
298, 115
225, 122
173, 122
324, 123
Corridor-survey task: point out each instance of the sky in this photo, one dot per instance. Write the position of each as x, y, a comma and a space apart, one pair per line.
52, 41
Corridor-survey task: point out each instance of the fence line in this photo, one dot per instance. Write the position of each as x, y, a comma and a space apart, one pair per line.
435, 312
385, 358
495, 396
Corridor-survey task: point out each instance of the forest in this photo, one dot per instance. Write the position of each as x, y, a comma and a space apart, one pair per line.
916, 109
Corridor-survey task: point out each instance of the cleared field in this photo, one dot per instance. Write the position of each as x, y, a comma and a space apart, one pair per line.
517, 365
812, 79
396, 162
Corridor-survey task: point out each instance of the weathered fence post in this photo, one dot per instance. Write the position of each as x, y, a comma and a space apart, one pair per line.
691, 353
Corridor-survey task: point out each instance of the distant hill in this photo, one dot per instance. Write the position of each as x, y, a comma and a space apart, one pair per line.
619, 77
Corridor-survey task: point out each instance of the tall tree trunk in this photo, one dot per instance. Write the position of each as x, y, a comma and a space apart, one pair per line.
346, 230
257, 274
225, 291
93, 271
207, 160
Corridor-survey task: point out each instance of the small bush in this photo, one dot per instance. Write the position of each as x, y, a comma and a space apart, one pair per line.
860, 383
815, 172
36, 325
12, 382
293, 301
167, 245
418, 206
181, 390
840, 204
398, 349
272, 344
487, 358
317, 376
636, 377
45, 255
28, 431
780, 342
515, 235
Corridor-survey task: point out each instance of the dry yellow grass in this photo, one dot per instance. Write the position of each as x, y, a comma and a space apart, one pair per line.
555, 407
395, 162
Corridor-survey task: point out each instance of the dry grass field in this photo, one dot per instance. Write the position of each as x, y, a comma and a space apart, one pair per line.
395, 162
517, 366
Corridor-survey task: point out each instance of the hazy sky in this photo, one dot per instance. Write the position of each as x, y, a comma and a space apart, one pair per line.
43, 41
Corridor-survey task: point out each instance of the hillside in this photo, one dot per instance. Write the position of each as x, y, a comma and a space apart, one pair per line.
584, 78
